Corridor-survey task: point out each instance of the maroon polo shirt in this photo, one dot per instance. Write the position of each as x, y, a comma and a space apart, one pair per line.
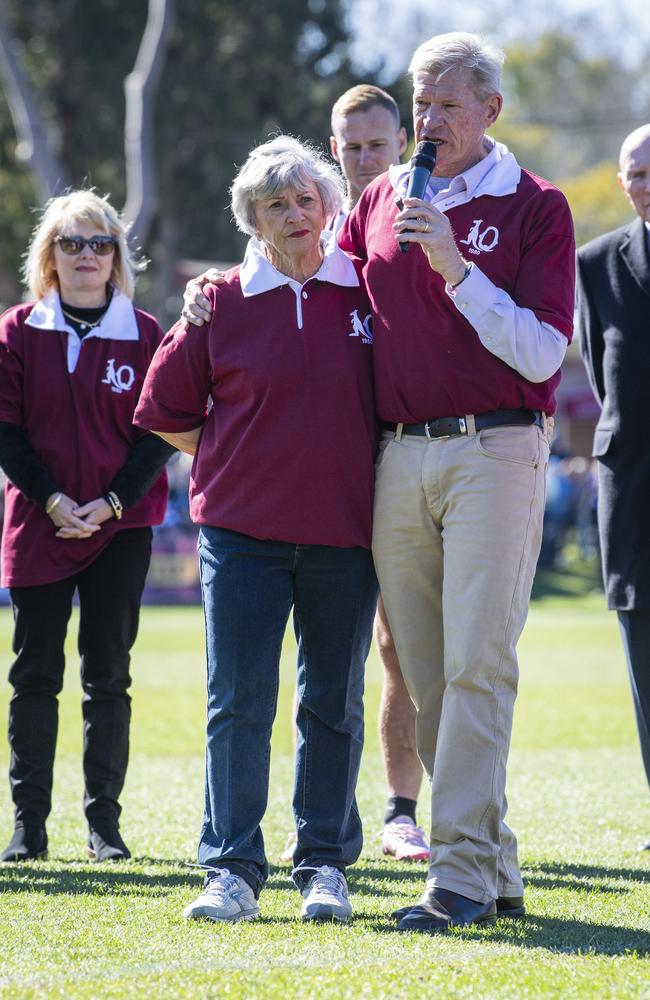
80, 424
428, 359
286, 451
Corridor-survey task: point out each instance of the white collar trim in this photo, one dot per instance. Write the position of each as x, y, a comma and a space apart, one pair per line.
497, 174
117, 323
257, 274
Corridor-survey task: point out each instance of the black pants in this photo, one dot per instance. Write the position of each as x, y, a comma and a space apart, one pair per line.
110, 590
635, 629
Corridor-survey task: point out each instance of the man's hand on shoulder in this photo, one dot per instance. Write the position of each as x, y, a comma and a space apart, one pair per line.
196, 307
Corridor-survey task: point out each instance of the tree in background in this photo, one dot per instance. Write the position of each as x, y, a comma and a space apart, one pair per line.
74, 57
232, 75
36, 145
565, 116
597, 201
567, 108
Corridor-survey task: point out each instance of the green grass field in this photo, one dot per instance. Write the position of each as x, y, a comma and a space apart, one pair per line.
579, 803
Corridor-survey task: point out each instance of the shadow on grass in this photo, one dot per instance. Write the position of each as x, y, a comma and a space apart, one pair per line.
582, 878
555, 934
363, 877
78, 877
370, 880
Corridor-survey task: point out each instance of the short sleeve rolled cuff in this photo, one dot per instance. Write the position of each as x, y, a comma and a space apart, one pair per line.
510, 332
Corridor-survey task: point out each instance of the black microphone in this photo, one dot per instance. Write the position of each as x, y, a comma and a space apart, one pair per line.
423, 163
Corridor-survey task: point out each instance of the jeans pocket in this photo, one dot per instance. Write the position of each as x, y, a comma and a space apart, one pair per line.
519, 445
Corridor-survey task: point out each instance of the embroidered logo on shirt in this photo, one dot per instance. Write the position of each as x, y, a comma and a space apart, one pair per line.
361, 327
478, 241
120, 379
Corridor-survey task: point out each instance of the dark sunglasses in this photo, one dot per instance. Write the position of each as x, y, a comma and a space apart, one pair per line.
100, 245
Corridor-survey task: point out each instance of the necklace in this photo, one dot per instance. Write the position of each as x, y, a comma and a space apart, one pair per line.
84, 325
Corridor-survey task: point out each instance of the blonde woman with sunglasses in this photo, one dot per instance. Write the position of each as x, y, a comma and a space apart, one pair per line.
83, 488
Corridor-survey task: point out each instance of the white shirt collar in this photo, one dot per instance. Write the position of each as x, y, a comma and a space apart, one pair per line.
497, 174
117, 323
257, 273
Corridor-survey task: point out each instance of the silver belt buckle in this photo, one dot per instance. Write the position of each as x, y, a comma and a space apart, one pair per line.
462, 429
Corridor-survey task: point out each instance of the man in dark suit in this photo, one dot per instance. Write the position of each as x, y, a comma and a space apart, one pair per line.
614, 324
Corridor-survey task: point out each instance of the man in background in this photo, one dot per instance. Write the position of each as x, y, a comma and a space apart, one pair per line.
366, 140
613, 311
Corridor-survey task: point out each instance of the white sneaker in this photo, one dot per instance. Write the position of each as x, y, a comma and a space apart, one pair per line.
225, 897
287, 854
405, 841
326, 896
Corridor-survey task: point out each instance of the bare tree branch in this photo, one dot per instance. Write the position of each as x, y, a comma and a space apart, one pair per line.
34, 148
140, 88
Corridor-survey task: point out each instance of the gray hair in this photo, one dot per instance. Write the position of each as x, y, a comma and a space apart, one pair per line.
461, 50
283, 162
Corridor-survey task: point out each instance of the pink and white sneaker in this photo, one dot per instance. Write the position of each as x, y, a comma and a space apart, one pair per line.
286, 857
405, 841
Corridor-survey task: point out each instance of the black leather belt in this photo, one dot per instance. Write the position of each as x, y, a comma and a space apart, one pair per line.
454, 426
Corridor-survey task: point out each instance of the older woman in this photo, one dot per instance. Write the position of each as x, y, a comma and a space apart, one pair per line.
84, 486
282, 489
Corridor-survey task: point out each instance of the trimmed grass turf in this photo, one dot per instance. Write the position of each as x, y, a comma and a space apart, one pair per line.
579, 804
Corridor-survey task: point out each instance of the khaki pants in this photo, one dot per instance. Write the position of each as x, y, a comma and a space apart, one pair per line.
457, 531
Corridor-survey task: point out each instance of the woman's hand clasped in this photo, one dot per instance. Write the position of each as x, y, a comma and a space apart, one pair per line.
73, 521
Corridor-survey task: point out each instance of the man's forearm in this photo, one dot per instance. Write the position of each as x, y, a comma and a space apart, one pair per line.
186, 441
513, 333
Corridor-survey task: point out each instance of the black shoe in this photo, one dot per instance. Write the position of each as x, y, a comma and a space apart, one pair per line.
107, 845
440, 909
507, 906
29, 843
645, 847
511, 906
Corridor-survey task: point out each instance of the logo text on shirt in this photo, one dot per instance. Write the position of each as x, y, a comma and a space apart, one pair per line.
361, 327
120, 379
478, 240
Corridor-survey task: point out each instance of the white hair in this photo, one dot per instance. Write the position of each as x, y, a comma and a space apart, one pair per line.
461, 50
283, 162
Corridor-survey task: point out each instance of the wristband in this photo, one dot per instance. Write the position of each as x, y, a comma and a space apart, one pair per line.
467, 271
116, 505
50, 507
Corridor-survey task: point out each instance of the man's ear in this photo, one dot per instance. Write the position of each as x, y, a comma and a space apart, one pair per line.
402, 141
493, 107
334, 149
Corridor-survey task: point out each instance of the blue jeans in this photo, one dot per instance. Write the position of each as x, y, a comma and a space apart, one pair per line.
249, 588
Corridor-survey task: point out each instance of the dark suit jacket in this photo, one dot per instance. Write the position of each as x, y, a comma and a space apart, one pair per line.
613, 315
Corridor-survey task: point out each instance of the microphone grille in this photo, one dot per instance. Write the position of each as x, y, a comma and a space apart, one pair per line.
425, 155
